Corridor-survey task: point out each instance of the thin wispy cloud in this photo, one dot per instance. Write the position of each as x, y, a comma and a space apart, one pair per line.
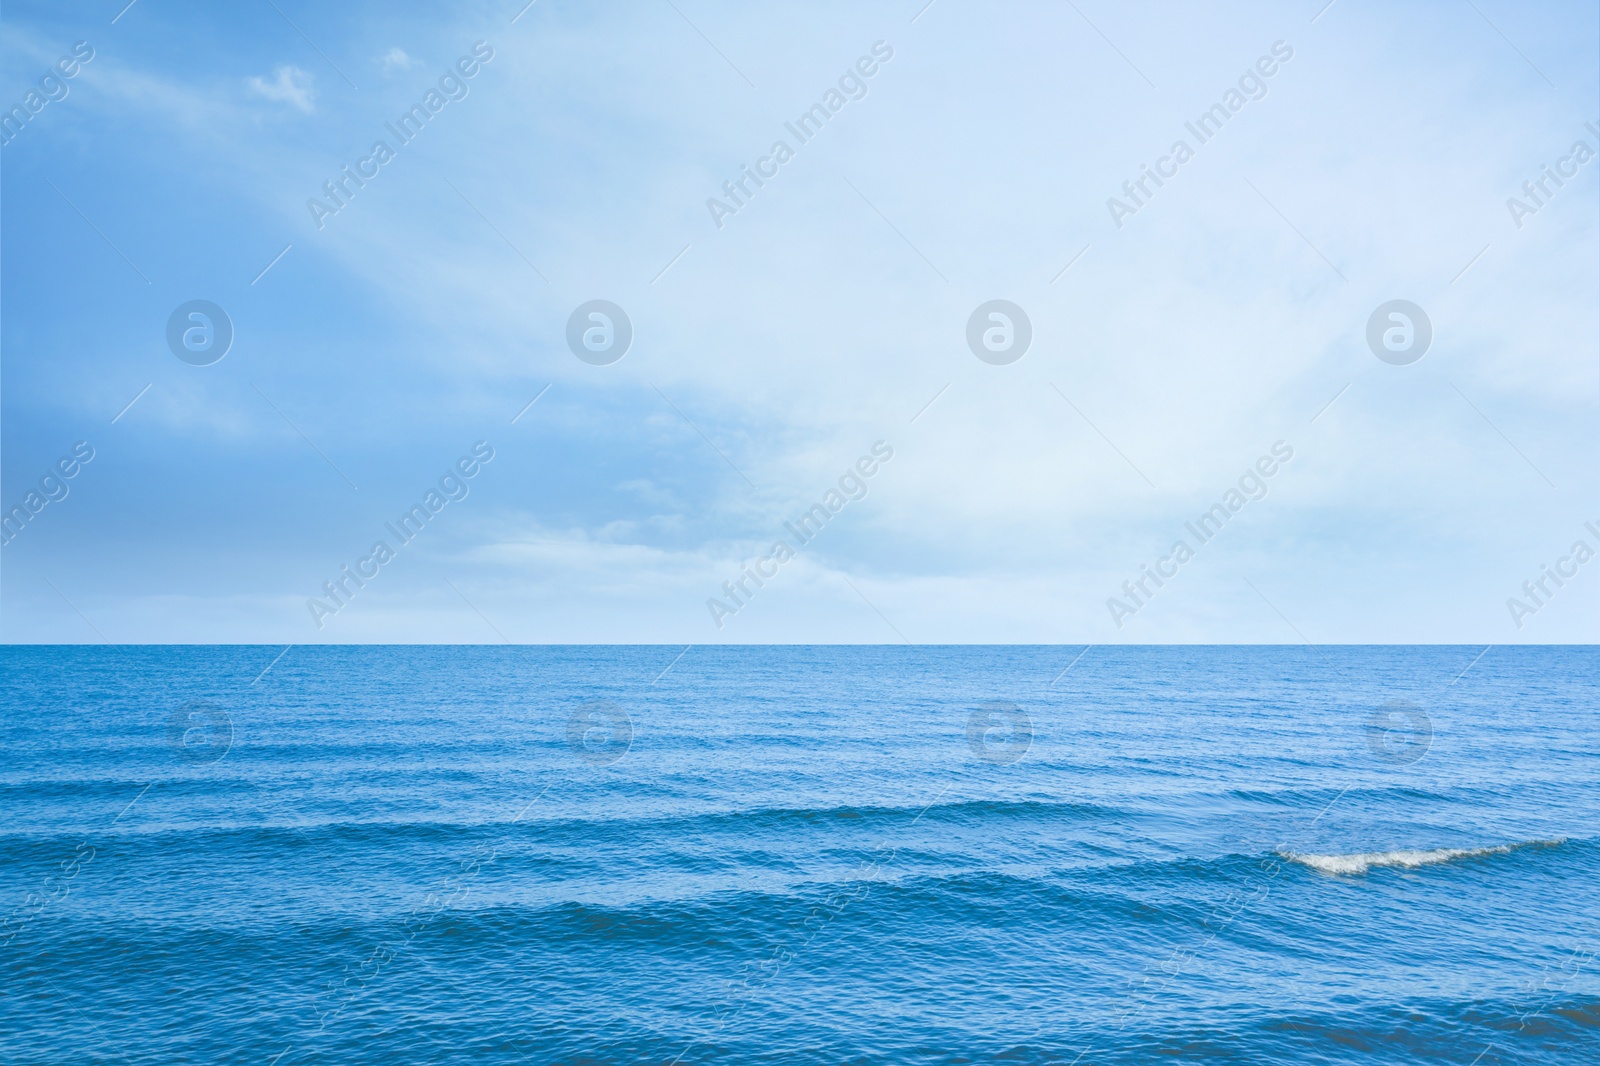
289, 85
397, 59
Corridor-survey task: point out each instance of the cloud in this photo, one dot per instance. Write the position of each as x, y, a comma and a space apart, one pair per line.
292, 86
398, 60
1175, 351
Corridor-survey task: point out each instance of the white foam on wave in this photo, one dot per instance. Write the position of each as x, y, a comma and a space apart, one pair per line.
1361, 862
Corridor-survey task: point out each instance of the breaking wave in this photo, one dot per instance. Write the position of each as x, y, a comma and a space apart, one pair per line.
1361, 862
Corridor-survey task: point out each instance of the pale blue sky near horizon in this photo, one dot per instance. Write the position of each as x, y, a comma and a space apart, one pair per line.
1172, 348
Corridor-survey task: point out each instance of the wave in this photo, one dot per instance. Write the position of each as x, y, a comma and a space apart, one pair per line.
1361, 862
681, 824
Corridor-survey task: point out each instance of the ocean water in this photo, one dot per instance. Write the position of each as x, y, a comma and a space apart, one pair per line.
862, 855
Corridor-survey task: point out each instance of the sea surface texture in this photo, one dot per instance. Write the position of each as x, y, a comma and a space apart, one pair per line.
797, 855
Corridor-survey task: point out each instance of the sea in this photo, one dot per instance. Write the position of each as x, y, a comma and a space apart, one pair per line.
799, 855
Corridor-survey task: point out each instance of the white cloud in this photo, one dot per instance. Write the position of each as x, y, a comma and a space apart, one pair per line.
398, 60
292, 86
1193, 337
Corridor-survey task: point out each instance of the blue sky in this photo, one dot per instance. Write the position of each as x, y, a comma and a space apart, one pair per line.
769, 354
